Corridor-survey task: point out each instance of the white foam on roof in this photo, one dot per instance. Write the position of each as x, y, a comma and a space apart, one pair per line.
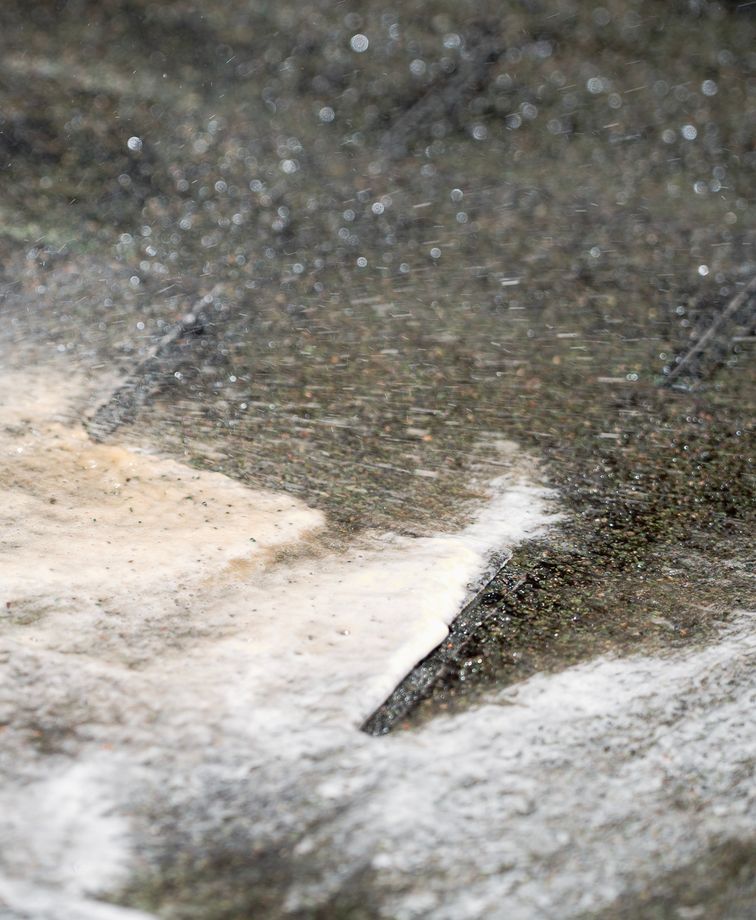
150, 590
214, 687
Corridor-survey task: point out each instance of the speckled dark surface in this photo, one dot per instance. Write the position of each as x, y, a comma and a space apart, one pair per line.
499, 222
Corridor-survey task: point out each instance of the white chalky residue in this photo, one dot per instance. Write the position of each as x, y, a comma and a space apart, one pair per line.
81, 837
24, 901
355, 625
115, 559
543, 802
132, 537
87, 526
547, 799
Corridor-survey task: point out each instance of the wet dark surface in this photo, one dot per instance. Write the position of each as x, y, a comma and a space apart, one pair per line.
349, 273
395, 264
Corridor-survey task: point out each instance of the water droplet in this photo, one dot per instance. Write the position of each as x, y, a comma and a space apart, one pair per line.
134, 144
359, 43
601, 16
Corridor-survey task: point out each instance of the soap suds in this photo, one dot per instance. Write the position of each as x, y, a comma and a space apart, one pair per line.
80, 833
150, 591
212, 699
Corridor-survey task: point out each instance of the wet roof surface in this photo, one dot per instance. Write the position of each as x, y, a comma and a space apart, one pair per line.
348, 252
